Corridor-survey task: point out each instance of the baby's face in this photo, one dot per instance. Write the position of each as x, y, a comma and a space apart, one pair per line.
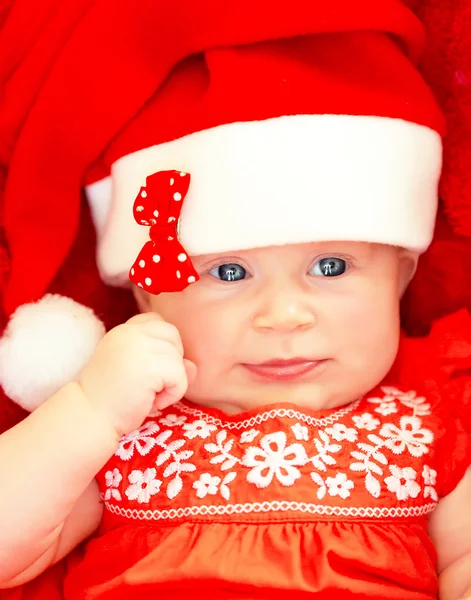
332, 308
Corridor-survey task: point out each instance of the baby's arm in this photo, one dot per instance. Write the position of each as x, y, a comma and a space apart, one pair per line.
450, 530
47, 502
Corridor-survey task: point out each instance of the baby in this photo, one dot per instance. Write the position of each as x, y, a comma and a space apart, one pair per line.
241, 438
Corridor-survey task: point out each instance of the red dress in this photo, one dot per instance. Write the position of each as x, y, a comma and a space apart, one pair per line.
275, 502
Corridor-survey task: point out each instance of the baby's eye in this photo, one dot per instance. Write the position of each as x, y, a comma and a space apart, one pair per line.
329, 267
229, 272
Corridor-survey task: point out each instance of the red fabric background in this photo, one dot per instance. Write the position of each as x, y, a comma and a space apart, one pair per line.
443, 282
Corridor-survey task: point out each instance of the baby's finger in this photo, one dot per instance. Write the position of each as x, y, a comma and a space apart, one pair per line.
144, 318
191, 370
160, 346
170, 396
173, 384
161, 330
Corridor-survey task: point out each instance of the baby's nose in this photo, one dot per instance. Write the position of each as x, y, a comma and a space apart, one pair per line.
285, 311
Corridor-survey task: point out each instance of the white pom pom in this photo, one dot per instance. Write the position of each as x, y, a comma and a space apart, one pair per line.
45, 346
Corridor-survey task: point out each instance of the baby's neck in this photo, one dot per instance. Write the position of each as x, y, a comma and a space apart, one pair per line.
234, 408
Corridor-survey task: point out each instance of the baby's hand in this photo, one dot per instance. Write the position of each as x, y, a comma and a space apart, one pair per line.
138, 367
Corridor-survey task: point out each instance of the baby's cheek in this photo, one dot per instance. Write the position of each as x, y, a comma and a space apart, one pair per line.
204, 337
369, 320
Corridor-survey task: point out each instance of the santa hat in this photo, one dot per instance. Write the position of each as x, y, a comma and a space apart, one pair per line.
307, 125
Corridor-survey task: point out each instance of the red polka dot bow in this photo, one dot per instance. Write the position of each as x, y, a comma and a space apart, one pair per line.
162, 265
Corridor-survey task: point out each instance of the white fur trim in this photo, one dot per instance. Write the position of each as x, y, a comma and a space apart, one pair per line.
45, 346
99, 195
287, 180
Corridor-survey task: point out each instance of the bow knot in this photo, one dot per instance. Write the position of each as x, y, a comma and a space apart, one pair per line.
163, 264
158, 231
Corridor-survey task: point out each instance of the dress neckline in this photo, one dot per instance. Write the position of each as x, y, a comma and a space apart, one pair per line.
262, 413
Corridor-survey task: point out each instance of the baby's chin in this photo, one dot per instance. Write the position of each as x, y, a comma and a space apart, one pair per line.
305, 396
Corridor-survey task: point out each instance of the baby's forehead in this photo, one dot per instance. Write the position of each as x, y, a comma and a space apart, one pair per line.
363, 249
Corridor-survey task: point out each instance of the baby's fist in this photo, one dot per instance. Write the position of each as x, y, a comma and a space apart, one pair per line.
137, 368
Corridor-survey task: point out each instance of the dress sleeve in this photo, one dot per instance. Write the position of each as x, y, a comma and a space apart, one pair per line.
454, 455
440, 364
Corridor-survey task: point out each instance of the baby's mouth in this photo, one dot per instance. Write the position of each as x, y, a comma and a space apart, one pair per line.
284, 369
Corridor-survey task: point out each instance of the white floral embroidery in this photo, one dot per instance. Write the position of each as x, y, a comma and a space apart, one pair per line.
249, 436
369, 436
274, 458
341, 432
173, 420
323, 448
224, 489
339, 485
430, 480
113, 479
177, 465
198, 428
402, 482
366, 421
224, 456
321, 492
206, 484
409, 399
409, 435
300, 432
144, 484
365, 463
141, 439
155, 413
384, 408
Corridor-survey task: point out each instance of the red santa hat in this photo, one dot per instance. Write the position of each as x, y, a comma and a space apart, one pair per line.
312, 124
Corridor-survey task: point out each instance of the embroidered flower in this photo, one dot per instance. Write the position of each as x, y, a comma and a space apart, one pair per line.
206, 485
386, 408
172, 452
274, 458
140, 439
323, 447
113, 479
341, 432
143, 485
198, 428
300, 432
430, 480
173, 420
366, 421
156, 413
339, 485
387, 405
409, 435
402, 482
392, 393
249, 436
409, 399
222, 449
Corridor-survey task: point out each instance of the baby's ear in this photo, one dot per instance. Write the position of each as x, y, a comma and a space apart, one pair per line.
142, 299
408, 261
